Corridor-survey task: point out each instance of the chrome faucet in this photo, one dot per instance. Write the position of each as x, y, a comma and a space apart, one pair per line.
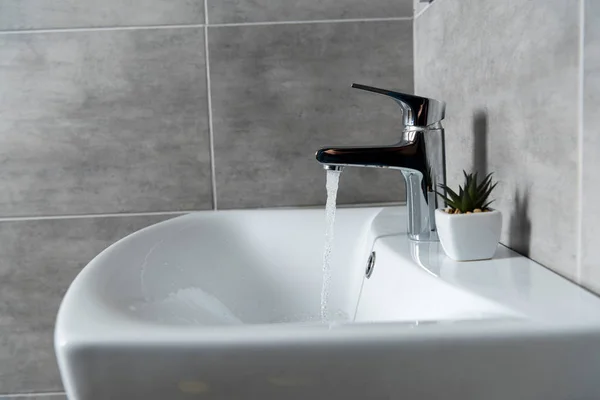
419, 155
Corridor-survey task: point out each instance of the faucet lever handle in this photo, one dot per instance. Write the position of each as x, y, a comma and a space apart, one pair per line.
416, 110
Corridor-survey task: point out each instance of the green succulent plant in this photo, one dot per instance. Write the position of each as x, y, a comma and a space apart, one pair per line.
472, 197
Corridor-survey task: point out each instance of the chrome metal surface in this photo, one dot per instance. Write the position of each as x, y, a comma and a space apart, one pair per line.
420, 156
416, 110
370, 265
333, 167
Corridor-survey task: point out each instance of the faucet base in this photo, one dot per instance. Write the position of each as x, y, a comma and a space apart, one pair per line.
430, 238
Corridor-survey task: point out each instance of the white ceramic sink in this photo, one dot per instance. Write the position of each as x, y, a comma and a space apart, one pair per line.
225, 305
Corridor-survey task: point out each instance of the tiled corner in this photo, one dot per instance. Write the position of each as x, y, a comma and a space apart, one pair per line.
103, 121
420, 5
591, 148
237, 11
507, 71
280, 92
38, 261
41, 14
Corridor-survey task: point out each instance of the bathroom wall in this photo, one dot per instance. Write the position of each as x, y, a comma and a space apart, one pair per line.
590, 148
116, 115
515, 81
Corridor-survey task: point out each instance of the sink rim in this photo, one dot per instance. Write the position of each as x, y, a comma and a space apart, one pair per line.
109, 327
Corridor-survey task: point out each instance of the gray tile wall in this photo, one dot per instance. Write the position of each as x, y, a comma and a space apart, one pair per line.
510, 72
42, 14
44, 396
279, 92
236, 11
590, 248
103, 121
105, 127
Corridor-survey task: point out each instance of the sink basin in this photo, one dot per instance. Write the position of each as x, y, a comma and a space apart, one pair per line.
225, 305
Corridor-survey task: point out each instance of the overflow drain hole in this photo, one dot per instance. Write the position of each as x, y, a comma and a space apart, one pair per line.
370, 265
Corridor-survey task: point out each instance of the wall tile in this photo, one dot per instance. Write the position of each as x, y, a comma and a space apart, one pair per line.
104, 121
508, 71
282, 91
42, 14
229, 11
38, 261
53, 396
591, 148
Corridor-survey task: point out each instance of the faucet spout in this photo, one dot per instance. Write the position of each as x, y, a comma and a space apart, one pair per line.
420, 158
395, 157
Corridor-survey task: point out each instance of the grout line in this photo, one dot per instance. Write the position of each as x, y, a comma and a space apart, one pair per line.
183, 26
101, 28
107, 215
414, 60
183, 212
205, 12
580, 132
321, 206
30, 395
425, 8
211, 135
417, 15
317, 21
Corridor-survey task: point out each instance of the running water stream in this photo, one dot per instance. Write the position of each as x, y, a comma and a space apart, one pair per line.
333, 179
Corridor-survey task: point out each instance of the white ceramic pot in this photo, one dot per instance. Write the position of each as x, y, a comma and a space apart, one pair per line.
467, 237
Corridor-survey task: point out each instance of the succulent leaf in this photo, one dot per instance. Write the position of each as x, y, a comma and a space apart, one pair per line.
471, 195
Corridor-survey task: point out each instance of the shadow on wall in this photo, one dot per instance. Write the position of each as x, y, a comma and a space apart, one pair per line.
520, 224
519, 229
480, 130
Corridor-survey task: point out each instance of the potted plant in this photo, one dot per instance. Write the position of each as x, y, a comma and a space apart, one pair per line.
468, 229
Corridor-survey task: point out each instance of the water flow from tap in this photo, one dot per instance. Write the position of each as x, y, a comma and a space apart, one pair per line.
333, 179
